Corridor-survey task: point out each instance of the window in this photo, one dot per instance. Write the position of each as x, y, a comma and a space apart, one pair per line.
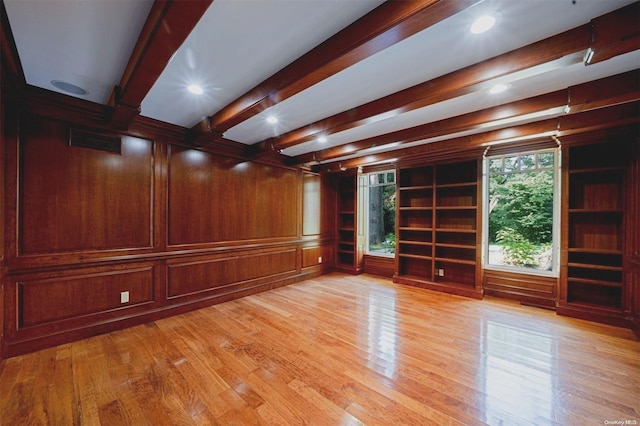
521, 210
381, 213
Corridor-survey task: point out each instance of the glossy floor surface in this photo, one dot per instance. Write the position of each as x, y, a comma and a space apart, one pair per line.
337, 350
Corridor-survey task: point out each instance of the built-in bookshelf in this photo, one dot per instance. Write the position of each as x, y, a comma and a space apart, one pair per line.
438, 220
593, 281
415, 223
346, 248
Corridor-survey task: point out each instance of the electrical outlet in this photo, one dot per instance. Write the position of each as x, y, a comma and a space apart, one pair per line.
319, 259
442, 272
124, 297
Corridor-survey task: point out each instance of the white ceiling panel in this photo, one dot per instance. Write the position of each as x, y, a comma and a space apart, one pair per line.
86, 43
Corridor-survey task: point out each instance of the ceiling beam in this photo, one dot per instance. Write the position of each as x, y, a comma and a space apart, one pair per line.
562, 50
558, 51
461, 123
616, 33
388, 24
168, 25
604, 92
601, 118
451, 145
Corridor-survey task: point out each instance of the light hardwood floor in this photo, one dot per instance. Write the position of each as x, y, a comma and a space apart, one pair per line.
337, 350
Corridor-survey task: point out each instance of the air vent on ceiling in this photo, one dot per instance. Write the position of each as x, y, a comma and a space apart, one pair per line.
85, 139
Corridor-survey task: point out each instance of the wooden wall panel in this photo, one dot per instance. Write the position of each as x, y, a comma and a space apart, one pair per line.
530, 289
179, 229
379, 265
311, 256
218, 199
74, 199
328, 254
225, 274
47, 300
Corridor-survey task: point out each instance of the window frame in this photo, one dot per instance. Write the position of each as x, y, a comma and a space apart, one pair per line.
556, 227
365, 191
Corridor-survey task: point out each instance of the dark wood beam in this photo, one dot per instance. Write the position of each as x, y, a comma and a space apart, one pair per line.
202, 134
561, 50
602, 118
386, 25
604, 92
564, 49
616, 33
461, 123
458, 144
167, 26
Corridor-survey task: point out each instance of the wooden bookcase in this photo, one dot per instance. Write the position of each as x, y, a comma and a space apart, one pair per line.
438, 223
346, 239
414, 222
592, 281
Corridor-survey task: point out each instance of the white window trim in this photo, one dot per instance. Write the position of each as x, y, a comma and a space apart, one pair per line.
555, 260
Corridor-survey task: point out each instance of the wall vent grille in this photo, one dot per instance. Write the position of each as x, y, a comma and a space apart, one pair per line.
85, 139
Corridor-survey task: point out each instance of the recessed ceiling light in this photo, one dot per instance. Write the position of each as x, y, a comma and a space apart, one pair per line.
195, 89
69, 88
322, 139
272, 120
498, 88
483, 24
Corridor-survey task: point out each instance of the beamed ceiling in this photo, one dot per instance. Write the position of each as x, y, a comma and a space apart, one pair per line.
351, 83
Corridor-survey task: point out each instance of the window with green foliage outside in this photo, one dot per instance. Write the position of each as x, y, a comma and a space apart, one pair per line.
521, 211
381, 213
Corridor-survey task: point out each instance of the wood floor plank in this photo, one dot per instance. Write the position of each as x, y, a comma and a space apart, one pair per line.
83, 389
338, 349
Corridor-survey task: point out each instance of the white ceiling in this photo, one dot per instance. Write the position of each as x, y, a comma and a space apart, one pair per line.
65, 40
239, 43
525, 88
